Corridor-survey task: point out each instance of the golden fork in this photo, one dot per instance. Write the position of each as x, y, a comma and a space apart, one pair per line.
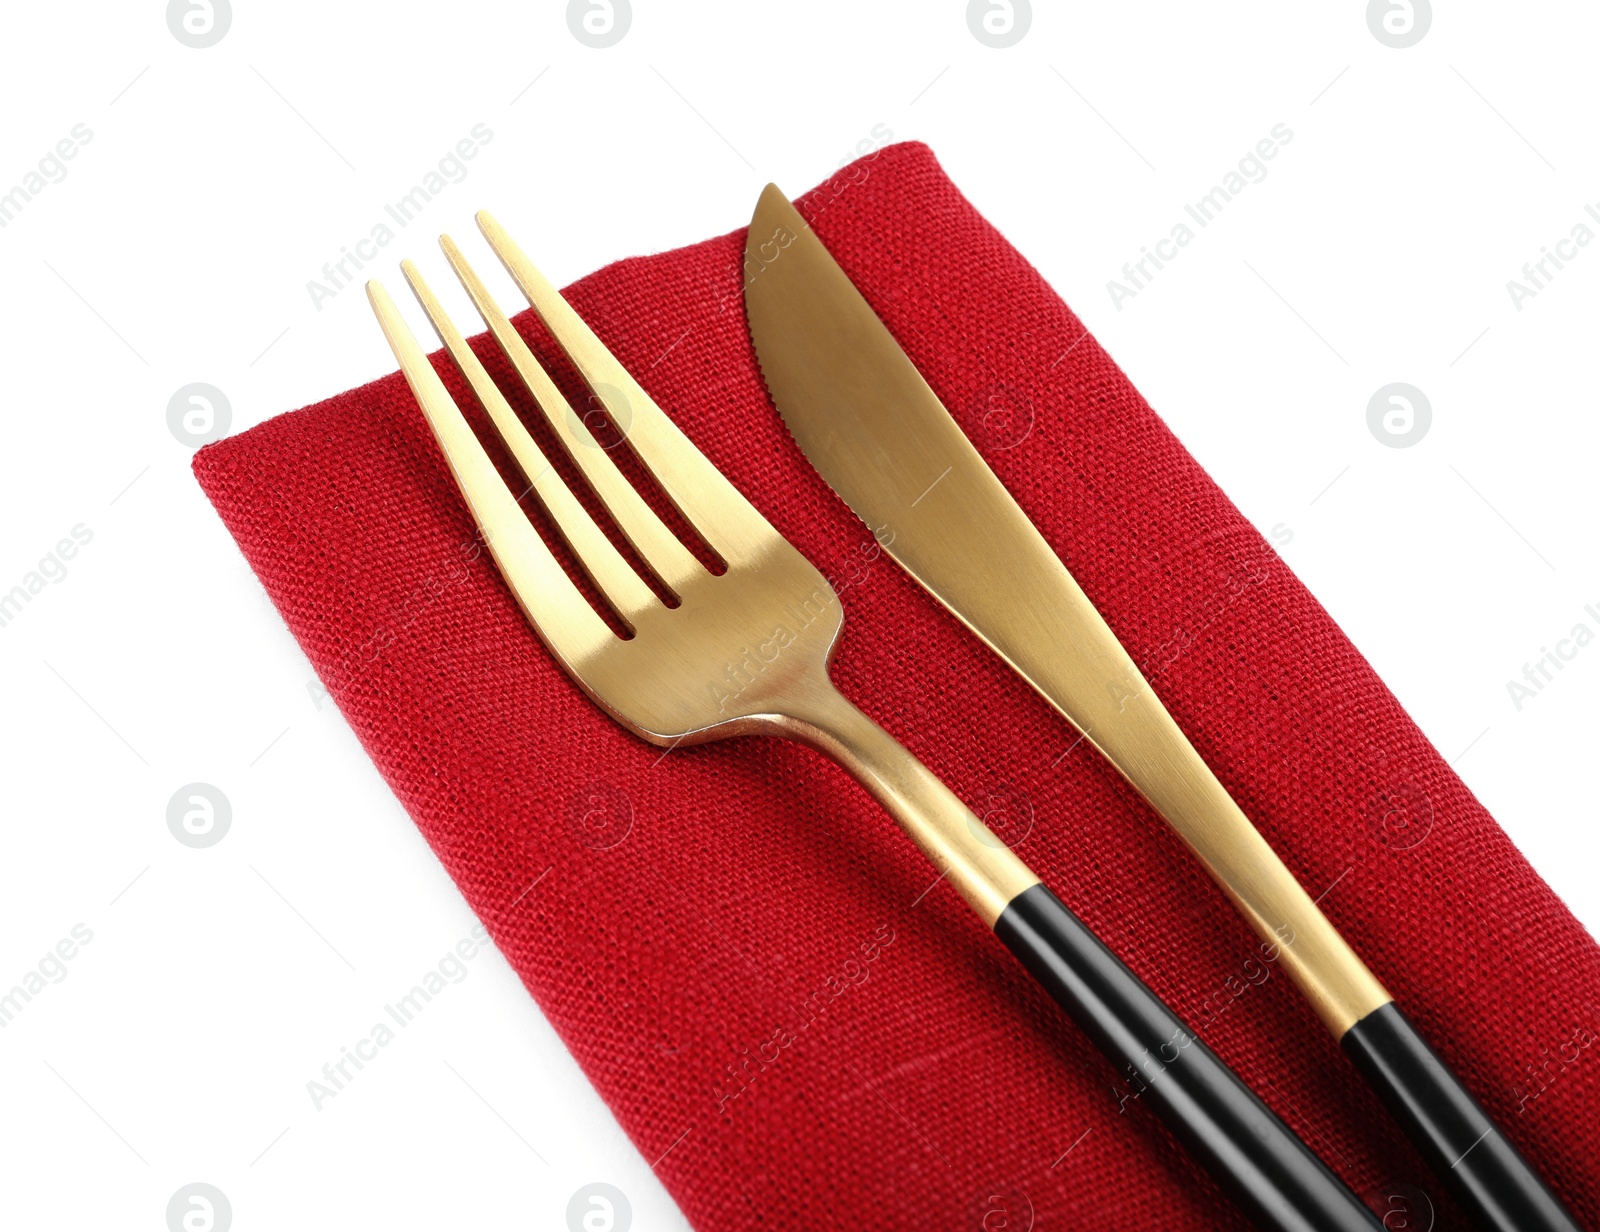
746, 652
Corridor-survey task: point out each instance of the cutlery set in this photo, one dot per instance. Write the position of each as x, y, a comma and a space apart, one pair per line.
655, 654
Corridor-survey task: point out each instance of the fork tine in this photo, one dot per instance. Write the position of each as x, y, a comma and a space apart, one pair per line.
559, 613
605, 566
658, 546
701, 492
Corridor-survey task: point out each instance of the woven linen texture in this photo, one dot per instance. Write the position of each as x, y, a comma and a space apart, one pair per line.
745, 955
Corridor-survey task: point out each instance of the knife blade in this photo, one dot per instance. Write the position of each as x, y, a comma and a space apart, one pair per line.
866, 419
870, 424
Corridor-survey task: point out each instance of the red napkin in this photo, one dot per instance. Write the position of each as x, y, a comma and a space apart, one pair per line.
744, 954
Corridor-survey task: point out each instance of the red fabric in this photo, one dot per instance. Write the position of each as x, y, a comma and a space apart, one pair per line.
748, 974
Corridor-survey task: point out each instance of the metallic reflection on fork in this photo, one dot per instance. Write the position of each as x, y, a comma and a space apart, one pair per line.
669, 681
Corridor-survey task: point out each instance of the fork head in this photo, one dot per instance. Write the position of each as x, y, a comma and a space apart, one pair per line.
737, 652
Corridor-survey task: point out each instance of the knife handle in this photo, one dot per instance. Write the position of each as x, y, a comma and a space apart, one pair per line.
1265, 1168
1488, 1177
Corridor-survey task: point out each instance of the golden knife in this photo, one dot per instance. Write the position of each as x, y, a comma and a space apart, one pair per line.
870, 424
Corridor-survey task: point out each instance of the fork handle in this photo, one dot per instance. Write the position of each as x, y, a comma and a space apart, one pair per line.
1265, 1168
1251, 1153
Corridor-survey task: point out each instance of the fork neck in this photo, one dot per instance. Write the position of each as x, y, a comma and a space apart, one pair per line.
983, 870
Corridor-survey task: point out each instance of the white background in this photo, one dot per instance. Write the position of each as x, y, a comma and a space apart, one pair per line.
218, 181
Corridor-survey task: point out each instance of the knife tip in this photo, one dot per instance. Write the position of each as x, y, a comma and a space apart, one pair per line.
771, 198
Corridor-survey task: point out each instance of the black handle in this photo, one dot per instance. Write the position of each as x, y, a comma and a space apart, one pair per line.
1495, 1185
1268, 1171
